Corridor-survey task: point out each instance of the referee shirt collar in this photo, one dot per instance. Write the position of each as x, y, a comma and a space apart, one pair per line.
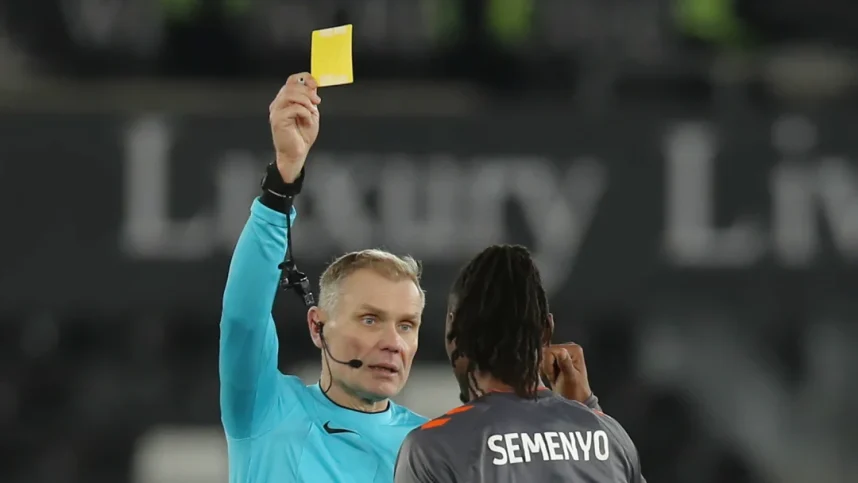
349, 414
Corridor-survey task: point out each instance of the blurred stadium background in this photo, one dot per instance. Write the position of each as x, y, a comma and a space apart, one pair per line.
684, 169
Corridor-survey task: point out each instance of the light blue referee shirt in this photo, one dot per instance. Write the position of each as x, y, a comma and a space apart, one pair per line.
279, 430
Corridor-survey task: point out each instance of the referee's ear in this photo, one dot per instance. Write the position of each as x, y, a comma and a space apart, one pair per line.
315, 320
548, 334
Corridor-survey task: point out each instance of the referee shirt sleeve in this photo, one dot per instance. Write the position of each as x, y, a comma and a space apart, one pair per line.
253, 394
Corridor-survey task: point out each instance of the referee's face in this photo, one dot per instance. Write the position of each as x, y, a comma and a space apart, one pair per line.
377, 321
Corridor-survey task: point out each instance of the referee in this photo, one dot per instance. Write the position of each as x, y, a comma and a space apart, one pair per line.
344, 429
511, 428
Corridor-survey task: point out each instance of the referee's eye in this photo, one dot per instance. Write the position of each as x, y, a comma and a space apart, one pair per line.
368, 320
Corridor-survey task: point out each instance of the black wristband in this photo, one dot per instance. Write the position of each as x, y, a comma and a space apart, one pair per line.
276, 194
280, 204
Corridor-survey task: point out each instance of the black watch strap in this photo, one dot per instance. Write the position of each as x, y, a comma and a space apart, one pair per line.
276, 194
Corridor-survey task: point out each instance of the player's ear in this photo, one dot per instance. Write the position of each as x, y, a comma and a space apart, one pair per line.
548, 334
315, 319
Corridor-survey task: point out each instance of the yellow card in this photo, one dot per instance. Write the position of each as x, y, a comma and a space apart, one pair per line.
331, 56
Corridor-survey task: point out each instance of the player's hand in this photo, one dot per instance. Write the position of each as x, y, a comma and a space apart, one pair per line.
294, 119
566, 370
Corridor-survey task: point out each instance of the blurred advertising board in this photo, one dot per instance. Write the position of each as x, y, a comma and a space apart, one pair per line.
130, 210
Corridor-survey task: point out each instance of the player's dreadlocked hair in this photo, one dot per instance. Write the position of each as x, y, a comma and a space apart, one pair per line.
500, 317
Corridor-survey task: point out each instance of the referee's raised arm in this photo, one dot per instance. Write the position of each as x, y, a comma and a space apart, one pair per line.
251, 394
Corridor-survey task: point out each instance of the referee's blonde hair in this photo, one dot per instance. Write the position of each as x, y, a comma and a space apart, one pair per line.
384, 263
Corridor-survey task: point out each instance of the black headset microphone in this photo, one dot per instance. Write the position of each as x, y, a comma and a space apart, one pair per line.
295, 280
353, 363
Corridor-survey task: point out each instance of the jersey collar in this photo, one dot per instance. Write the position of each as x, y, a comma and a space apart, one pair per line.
341, 412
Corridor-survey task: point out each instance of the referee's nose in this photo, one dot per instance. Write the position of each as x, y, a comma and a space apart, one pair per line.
391, 341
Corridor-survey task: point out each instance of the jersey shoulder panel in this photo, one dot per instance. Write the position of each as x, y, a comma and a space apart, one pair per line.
459, 431
620, 442
620, 435
465, 415
441, 446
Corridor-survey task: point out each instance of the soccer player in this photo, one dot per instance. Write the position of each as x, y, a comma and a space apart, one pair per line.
511, 429
344, 429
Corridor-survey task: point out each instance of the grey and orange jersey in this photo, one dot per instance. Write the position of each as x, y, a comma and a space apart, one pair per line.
502, 438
